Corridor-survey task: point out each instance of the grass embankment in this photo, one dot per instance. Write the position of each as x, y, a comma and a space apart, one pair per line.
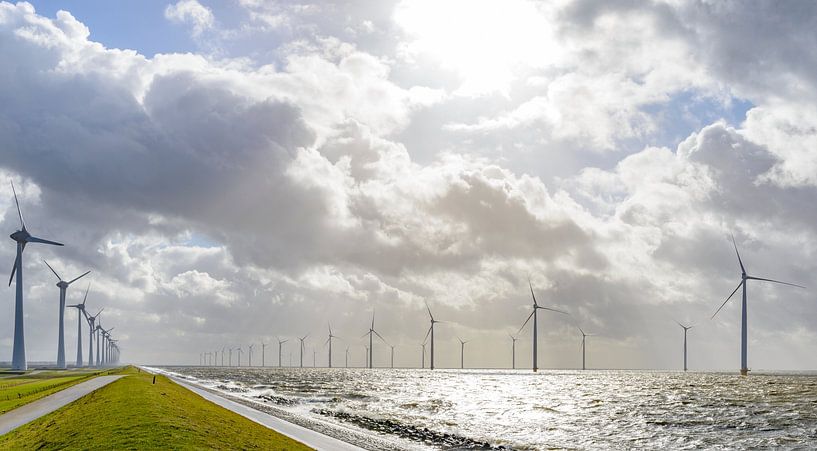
24, 388
133, 413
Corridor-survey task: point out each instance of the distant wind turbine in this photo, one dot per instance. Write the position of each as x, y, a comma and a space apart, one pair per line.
392, 355
347, 357
92, 329
584, 347
230, 355
744, 364
263, 354
462, 352
302, 349
329, 341
80, 315
686, 329
431, 332
370, 333
535, 326
513, 351
22, 237
63, 286
280, 347
240, 351
249, 355
222, 354
423, 358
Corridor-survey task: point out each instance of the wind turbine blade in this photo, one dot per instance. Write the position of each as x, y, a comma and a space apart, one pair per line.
427, 308
580, 330
80, 277
738, 254
364, 335
86, 294
381, 337
372, 319
531, 293
552, 310
14, 269
682, 326
775, 281
19, 212
34, 239
727, 299
526, 321
427, 333
52, 270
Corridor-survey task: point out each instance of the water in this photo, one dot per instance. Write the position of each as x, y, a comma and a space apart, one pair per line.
551, 409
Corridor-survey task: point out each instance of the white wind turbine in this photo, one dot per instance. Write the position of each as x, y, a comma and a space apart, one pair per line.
80, 315
686, 329
263, 354
92, 329
513, 351
280, 347
230, 357
347, 357
535, 325
329, 341
431, 332
222, 354
392, 355
584, 346
22, 237
302, 349
462, 352
744, 364
63, 286
249, 355
238, 349
423, 358
370, 333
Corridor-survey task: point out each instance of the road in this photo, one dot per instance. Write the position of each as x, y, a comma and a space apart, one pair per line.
30, 412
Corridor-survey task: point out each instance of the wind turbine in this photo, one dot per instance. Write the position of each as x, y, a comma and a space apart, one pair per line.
392, 355
423, 359
249, 355
22, 237
347, 357
263, 354
535, 324
106, 334
430, 331
462, 352
744, 366
63, 286
513, 351
230, 355
92, 328
280, 345
584, 347
329, 340
686, 329
222, 354
371, 333
302, 349
80, 314
314, 358
239, 355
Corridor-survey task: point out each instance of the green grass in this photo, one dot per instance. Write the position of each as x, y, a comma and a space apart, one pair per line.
27, 387
133, 413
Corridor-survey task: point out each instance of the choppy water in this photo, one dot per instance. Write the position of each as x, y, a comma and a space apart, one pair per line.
551, 409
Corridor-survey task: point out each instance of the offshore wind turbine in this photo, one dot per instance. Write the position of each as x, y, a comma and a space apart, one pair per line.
80, 314
431, 332
22, 237
513, 351
63, 286
249, 355
423, 358
302, 349
263, 354
392, 355
584, 347
222, 354
230, 355
371, 333
347, 357
239, 355
744, 332
533, 314
329, 340
280, 345
462, 352
686, 329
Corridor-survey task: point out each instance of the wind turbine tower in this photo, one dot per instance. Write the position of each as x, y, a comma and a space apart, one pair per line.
533, 314
63, 286
80, 314
22, 237
430, 332
302, 349
249, 355
280, 347
462, 352
686, 329
513, 351
371, 334
329, 340
744, 332
584, 347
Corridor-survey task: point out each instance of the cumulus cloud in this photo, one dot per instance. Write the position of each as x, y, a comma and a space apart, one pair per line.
230, 200
191, 12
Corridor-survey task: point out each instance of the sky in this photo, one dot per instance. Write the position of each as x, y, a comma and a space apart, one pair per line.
233, 172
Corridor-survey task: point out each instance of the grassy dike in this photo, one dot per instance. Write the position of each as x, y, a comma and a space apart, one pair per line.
133, 413
22, 389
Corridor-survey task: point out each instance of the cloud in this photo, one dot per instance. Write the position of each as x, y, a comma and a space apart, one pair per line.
191, 11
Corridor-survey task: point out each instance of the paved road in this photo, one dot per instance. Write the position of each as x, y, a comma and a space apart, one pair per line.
306, 436
30, 412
